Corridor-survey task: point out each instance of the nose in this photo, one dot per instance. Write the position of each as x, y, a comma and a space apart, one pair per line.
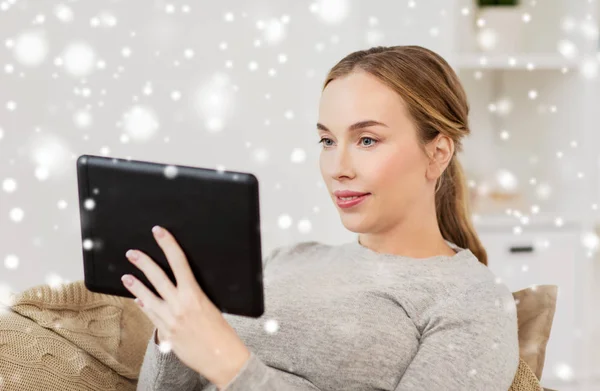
339, 163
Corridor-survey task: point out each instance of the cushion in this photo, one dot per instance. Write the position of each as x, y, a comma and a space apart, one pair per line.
525, 379
69, 338
535, 312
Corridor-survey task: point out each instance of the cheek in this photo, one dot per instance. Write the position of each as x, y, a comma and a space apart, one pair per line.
397, 164
399, 172
322, 164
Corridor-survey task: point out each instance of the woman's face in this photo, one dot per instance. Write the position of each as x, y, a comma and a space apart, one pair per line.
384, 160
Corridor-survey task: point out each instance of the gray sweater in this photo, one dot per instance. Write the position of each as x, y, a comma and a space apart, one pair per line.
346, 317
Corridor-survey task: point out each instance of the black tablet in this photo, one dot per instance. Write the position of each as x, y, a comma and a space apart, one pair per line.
213, 214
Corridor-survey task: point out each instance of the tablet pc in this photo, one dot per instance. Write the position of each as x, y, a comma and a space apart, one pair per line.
213, 214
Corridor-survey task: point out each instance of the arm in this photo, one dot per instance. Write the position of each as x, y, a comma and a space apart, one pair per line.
257, 376
164, 371
471, 343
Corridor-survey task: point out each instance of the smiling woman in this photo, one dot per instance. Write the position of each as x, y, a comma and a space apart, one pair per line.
410, 304
400, 146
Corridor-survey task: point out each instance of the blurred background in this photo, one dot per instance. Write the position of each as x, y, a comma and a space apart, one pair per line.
235, 85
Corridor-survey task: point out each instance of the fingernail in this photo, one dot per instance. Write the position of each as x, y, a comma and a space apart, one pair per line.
139, 302
158, 231
132, 255
127, 280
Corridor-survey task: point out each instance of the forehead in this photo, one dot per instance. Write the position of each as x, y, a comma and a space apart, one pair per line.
359, 95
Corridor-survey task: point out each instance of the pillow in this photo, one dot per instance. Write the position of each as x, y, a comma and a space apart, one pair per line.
535, 312
525, 379
70, 338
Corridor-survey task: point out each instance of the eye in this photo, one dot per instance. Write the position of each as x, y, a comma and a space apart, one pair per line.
369, 138
323, 139
362, 138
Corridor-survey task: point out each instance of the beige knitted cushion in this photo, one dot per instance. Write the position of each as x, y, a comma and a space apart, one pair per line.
71, 339
525, 379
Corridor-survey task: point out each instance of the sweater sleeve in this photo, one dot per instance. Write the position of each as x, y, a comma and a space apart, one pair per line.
471, 343
164, 371
255, 375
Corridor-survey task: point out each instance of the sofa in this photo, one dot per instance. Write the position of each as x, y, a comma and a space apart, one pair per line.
72, 339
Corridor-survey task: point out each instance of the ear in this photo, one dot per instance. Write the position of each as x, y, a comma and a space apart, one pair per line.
440, 151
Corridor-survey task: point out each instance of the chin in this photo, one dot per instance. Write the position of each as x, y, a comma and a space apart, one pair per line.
354, 223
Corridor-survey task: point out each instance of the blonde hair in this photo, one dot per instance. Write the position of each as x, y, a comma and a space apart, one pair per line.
437, 103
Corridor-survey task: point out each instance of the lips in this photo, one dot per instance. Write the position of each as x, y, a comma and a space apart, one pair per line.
347, 198
349, 203
348, 193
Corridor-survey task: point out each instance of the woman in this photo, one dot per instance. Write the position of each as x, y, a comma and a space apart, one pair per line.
409, 305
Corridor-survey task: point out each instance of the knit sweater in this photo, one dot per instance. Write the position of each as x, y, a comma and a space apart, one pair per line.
345, 317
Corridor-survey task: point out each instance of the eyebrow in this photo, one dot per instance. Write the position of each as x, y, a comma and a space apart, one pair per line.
356, 126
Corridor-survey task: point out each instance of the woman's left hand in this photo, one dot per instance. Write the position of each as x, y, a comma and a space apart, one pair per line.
191, 324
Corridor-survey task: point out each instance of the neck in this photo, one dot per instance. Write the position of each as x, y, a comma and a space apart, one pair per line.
416, 236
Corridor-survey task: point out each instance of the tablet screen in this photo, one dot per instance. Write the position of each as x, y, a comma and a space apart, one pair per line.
214, 216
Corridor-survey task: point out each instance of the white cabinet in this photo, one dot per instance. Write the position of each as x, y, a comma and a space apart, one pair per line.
534, 114
533, 103
555, 258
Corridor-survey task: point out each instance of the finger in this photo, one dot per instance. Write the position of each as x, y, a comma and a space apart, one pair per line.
175, 255
157, 277
151, 302
155, 319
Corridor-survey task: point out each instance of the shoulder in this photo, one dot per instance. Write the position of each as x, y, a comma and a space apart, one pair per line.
486, 287
472, 275
471, 290
295, 249
487, 305
484, 315
306, 246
